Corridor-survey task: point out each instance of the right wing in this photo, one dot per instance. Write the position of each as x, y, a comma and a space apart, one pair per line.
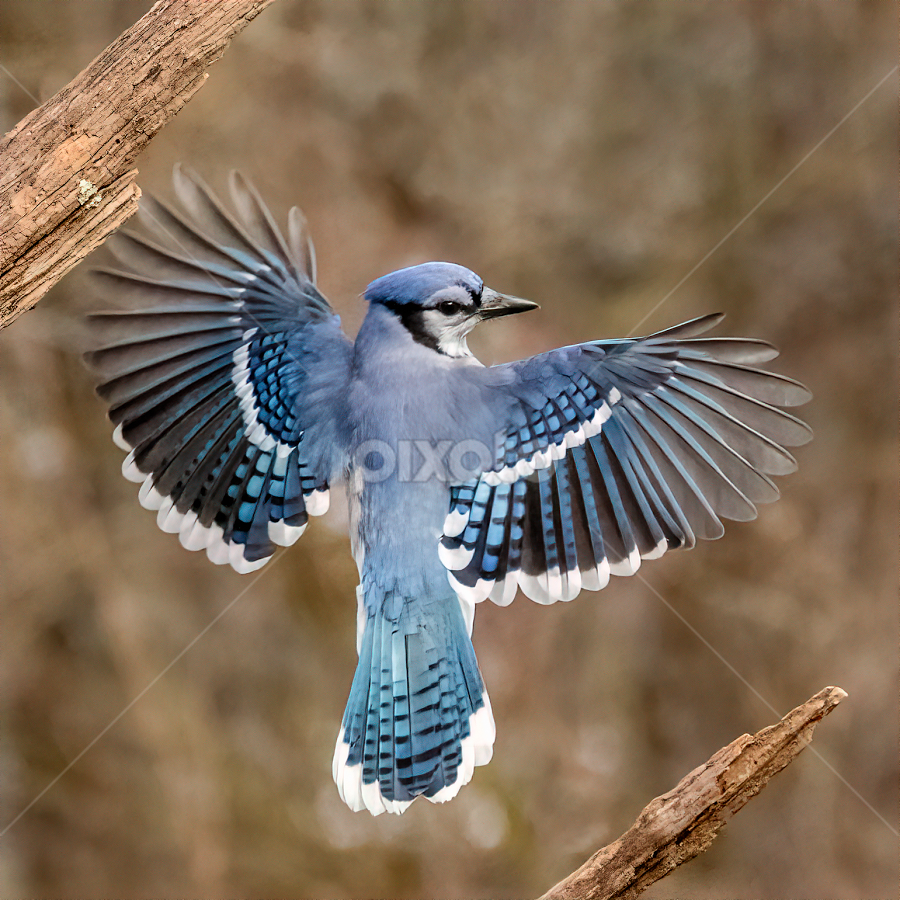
611, 452
227, 386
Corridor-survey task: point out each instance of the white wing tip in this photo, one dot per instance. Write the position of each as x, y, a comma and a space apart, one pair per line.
572, 584
504, 592
534, 587
657, 551
168, 519
192, 535
317, 502
455, 523
216, 547
240, 563
285, 535
455, 558
627, 566
475, 594
131, 471
596, 578
148, 496
119, 440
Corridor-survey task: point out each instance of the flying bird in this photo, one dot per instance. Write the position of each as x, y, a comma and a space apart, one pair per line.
241, 403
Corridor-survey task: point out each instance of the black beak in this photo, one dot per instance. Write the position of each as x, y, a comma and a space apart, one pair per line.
494, 305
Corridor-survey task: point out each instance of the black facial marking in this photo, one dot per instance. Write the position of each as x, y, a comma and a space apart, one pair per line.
413, 318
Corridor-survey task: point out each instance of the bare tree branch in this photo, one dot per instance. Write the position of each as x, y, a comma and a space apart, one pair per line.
684, 822
65, 170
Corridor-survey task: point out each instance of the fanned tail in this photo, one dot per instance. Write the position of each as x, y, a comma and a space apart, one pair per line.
418, 719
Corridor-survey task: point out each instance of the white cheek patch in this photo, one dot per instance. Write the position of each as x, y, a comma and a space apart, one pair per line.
454, 345
451, 337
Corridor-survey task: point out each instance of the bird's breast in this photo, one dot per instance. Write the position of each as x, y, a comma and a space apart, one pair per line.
398, 482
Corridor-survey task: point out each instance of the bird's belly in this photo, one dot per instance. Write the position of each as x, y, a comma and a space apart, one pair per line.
403, 450
395, 527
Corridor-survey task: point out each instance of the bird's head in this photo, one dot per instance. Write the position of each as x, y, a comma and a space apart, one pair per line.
439, 303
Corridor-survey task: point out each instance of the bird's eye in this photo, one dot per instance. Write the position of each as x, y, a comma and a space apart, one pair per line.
449, 308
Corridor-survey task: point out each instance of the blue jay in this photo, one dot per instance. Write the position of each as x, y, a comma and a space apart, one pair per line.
241, 402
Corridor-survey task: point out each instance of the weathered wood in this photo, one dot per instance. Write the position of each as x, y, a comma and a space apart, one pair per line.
90, 133
45, 262
684, 822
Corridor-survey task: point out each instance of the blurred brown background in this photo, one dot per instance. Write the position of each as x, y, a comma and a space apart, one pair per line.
585, 155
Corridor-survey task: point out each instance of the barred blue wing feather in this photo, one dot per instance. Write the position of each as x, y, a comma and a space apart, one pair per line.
226, 384
616, 451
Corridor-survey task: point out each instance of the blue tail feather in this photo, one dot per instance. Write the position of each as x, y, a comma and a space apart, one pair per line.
418, 719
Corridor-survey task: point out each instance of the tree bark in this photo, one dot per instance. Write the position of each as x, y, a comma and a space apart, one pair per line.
684, 822
66, 180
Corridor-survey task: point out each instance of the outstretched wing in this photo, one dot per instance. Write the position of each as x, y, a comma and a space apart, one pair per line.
614, 451
226, 385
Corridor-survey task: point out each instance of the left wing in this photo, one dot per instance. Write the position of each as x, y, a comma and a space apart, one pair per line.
227, 384
615, 451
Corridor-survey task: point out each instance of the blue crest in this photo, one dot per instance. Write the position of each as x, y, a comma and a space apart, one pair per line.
416, 284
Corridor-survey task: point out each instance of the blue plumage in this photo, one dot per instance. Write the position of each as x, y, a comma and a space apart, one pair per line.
240, 403
417, 283
418, 719
209, 384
